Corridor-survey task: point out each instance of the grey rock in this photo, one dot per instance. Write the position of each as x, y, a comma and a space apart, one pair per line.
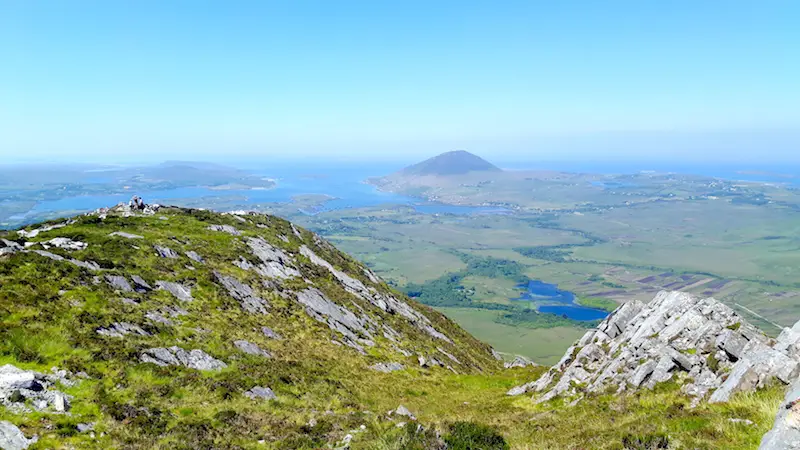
194, 256
387, 367
451, 357
65, 244
176, 356
261, 393
247, 297
11, 438
166, 252
125, 235
18, 386
338, 318
120, 329
181, 292
119, 283
85, 427
785, 432
275, 263
519, 361
642, 373
404, 412
139, 285
225, 229
89, 265
268, 332
758, 365
732, 342
385, 302
34, 233
251, 349
519, 390
641, 345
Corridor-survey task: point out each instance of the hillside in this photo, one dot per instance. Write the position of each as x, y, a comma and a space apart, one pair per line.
165, 323
156, 327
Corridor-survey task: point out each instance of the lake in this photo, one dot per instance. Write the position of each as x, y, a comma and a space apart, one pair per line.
552, 300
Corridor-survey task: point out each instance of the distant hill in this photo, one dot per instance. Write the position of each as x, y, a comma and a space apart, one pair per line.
451, 163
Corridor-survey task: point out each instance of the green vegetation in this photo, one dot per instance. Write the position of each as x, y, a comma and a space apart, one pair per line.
597, 303
51, 311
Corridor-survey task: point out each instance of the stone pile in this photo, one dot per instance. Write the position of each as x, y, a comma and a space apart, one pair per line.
21, 390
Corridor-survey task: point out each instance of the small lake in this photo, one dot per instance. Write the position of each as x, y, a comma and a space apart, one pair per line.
550, 299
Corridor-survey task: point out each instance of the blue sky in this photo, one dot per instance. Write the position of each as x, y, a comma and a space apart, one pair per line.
538, 79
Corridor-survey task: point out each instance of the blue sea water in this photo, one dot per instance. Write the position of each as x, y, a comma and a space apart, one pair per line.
343, 184
557, 301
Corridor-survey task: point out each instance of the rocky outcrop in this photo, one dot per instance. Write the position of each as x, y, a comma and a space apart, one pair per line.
250, 302
260, 393
268, 332
194, 256
275, 263
383, 301
21, 390
119, 283
181, 292
166, 252
355, 329
700, 343
64, 244
11, 438
785, 433
519, 361
387, 367
89, 265
121, 329
225, 229
251, 349
176, 356
125, 235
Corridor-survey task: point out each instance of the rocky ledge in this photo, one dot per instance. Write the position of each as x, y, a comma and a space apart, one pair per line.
700, 343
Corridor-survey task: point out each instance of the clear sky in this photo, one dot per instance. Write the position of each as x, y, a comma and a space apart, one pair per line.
541, 79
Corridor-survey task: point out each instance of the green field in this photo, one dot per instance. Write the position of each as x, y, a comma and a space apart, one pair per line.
543, 345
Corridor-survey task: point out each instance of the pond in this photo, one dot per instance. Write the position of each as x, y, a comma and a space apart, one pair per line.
550, 299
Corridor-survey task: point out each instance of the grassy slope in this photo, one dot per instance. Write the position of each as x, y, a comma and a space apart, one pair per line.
51, 310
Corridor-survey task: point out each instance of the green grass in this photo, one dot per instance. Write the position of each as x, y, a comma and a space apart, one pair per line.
543, 345
597, 303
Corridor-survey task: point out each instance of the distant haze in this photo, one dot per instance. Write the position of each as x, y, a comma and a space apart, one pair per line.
354, 80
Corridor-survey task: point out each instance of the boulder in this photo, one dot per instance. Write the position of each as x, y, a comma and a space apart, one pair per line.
181, 292
250, 302
785, 433
119, 283
267, 331
176, 356
251, 349
387, 367
11, 438
260, 393
125, 235
120, 329
194, 256
165, 252
225, 229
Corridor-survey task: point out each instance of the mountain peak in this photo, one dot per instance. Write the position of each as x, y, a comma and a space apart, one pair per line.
456, 162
